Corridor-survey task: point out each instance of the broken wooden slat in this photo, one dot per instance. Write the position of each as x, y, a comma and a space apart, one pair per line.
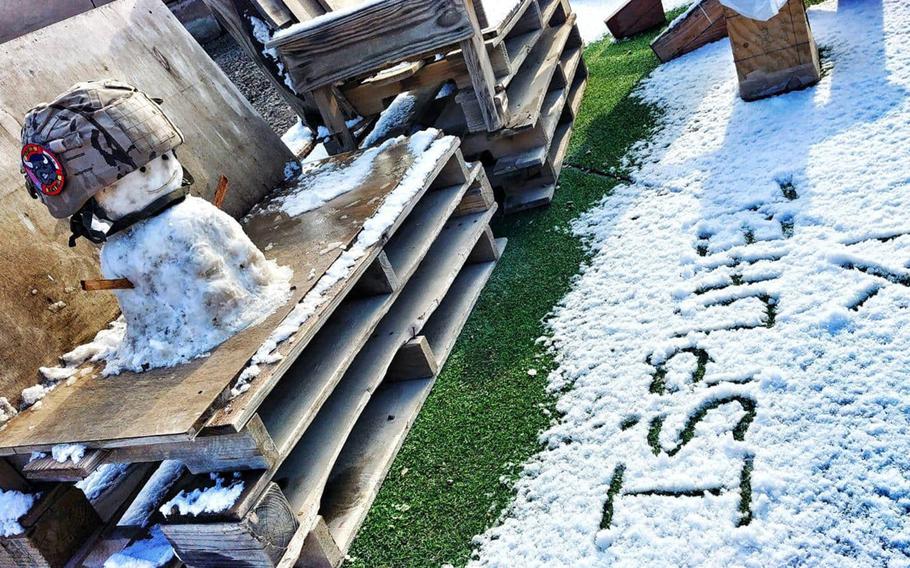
49, 469
220, 192
701, 24
106, 284
414, 360
636, 16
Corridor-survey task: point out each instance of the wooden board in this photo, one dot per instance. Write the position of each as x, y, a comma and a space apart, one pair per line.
172, 404
138, 41
702, 24
636, 16
373, 444
19, 17
776, 56
381, 34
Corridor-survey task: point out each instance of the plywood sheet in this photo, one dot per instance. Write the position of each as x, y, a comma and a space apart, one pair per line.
138, 41
172, 404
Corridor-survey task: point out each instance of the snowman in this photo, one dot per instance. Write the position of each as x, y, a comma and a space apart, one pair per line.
103, 154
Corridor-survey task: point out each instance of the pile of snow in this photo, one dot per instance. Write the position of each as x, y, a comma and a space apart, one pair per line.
732, 362
149, 553
298, 138
429, 148
198, 281
214, 499
63, 453
13, 506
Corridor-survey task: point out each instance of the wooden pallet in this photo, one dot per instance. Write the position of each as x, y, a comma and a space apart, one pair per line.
703, 23
407, 347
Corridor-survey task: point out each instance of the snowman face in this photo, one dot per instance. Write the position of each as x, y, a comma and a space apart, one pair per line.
141, 187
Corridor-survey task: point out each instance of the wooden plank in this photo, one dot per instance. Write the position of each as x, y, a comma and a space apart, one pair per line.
636, 16
259, 540
55, 527
776, 56
320, 55
486, 249
49, 469
275, 12
304, 472
474, 51
20, 17
529, 195
388, 169
174, 403
479, 197
141, 42
304, 10
319, 549
445, 326
703, 23
333, 118
414, 359
293, 405
378, 279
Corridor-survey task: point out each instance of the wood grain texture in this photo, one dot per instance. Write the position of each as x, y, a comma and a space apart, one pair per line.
381, 34
703, 23
414, 360
319, 549
167, 405
138, 41
49, 469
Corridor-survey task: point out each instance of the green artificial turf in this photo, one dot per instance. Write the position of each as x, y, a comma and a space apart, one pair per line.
481, 422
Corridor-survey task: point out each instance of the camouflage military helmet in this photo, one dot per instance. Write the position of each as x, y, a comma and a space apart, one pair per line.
89, 137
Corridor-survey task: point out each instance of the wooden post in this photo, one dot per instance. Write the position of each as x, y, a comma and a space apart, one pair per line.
334, 118
482, 78
776, 56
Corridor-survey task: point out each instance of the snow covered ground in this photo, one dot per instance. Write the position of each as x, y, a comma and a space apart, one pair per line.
733, 363
592, 15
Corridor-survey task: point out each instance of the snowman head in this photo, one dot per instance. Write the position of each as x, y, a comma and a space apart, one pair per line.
142, 187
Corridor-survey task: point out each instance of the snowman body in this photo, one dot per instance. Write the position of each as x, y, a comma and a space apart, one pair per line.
197, 277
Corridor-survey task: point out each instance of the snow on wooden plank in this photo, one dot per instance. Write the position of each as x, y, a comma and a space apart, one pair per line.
173, 404
138, 41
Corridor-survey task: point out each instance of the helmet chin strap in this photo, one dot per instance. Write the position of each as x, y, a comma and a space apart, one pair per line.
81, 222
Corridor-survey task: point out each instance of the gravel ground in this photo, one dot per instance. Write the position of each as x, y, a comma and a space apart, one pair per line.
252, 82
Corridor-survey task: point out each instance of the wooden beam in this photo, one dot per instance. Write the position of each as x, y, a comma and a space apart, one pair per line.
486, 249
702, 24
54, 529
379, 278
414, 360
275, 12
479, 197
258, 540
333, 118
319, 548
474, 51
106, 284
49, 469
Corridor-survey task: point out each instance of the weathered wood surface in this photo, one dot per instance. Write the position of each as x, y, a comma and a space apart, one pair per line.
414, 360
380, 34
138, 41
172, 404
702, 24
49, 469
19, 17
776, 56
55, 528
635, 17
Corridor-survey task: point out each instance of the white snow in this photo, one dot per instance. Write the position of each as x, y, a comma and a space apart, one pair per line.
429, 148
63, 453
497, 11
149, 553
6, 411
213, 499
593, 14
394, 116
13, 506
755, 9
798, 200
102, 479
198, 280
298, 138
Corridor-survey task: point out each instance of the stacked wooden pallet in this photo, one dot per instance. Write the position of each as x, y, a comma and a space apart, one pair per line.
313, 435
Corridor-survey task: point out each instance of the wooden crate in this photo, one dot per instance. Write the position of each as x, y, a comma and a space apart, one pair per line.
776, 56
704, 22
636, 16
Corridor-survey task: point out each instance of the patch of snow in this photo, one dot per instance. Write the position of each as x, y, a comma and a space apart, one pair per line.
101, 479
393, 117
429, 148
498, 10
704, 425
297, 138
198, 281
145, 503
13, 506
149, 553
7, 411
762, 10
214, 499
63, 453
